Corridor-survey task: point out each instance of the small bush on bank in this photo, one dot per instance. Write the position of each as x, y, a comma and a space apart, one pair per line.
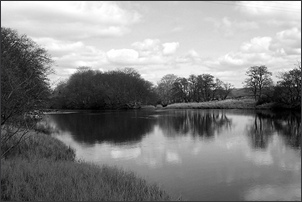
47, 180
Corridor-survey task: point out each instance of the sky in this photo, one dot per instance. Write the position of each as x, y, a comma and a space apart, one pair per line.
221, 38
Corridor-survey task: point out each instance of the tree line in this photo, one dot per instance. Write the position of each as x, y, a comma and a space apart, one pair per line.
195, 88
25, 86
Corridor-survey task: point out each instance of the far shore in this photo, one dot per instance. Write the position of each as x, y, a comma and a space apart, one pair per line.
217, 104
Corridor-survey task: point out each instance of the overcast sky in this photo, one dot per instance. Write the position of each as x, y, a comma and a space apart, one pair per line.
159, 38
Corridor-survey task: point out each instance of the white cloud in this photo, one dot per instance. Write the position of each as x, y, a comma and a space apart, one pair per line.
123, 56
256, 45
148, 47
287, 42
68, 55
272, 13
147, 52
230, 27
75, 20
277, 52
170, 48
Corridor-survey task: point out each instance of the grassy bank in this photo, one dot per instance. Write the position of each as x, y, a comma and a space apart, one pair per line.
223, 104
230, 104
42, 168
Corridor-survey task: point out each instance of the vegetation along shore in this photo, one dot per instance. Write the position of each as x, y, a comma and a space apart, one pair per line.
43, 168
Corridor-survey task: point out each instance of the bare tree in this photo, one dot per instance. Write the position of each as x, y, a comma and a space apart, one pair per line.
24, 83
258, 79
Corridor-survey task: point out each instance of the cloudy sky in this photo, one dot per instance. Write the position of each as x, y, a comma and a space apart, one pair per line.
159, 38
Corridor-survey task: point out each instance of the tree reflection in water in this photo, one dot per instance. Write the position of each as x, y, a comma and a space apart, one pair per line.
202, 123
266, 123
116, 127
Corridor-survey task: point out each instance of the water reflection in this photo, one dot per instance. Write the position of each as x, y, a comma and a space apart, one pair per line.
267, 123
116, 127
250, 156
204, 123
274, 193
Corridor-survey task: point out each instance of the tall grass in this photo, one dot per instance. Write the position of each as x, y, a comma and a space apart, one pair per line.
42, 168
47, 180
39, 145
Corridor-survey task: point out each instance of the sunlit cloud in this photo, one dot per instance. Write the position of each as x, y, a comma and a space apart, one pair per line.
170, 48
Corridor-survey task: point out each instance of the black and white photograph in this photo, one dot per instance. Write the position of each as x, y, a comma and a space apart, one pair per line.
151, 101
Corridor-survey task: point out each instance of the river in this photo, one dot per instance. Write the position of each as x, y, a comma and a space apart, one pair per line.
201, 155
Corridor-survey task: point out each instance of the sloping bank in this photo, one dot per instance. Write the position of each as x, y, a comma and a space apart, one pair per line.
44, 169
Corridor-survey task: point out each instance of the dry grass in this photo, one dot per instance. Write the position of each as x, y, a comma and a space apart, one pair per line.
223, 104
42, 168
47, 180
38, 145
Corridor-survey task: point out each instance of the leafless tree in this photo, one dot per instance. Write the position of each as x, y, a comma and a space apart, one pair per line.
24, 83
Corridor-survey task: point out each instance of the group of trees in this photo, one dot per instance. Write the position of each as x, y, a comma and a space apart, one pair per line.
90, 89
198, 88
286, 92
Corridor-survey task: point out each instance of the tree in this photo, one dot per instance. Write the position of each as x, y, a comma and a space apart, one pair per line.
205, 83
24, 84
180, 90
164, 88
288, 89
258, 80
192, 82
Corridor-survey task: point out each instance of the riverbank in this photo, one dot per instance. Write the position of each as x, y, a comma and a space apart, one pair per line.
42, 168
224, 104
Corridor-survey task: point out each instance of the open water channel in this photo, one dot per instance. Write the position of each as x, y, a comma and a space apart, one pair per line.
199, 154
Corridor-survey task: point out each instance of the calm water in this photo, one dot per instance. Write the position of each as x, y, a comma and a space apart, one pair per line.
199, 154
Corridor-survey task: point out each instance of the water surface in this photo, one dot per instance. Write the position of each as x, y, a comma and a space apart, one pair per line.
199, 154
